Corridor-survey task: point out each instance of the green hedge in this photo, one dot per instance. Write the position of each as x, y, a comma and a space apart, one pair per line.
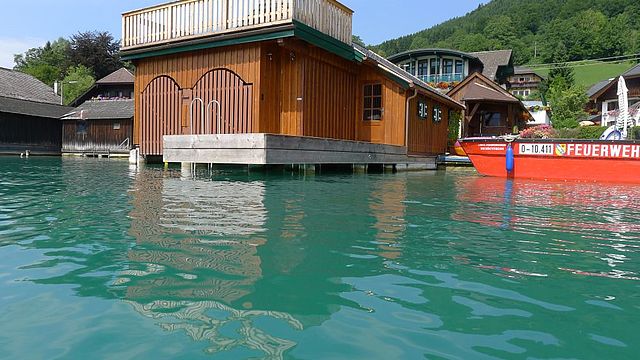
585, 132
635, 132
591, 132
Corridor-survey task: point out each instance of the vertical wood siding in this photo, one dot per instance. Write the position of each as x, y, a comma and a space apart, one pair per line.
160, 114
33, 133
162, 108
99, 136
235, 99
427, 137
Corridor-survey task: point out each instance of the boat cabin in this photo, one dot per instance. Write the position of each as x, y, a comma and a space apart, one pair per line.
210, 69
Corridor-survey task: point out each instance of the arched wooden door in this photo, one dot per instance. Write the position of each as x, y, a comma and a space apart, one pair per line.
160, 109
235, 99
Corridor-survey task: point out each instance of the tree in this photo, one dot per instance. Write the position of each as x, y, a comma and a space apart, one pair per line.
47, 64
77, 82
567, 104
97, 51
358, 40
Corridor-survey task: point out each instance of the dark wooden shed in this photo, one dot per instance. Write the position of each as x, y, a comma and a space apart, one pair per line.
29, 115
98, 127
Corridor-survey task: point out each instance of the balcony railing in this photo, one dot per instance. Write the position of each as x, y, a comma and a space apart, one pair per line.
448, 78
188, 19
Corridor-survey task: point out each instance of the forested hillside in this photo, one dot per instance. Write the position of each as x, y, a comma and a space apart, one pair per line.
557, 30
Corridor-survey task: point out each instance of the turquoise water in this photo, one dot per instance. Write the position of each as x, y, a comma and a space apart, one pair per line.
101, 261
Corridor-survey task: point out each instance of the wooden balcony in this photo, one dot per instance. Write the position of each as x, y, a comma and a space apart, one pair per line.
192, 19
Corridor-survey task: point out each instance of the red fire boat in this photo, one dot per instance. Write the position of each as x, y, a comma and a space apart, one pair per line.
581, 160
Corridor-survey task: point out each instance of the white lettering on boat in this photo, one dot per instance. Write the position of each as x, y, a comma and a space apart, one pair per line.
576, 150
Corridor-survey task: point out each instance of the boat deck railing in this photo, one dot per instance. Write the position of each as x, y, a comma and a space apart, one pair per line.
192, 19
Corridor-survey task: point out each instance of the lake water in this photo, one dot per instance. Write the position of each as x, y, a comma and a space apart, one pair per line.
99, 261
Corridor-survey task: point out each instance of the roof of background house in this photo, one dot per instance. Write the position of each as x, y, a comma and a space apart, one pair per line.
32, 108
597, 87
400, 73
492, 60
101, 110
430, 51
522, 70
604, 85
18, 85
634, 71
478, 87
120, 76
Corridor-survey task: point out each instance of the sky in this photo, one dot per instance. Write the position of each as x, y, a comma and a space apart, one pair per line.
31, 23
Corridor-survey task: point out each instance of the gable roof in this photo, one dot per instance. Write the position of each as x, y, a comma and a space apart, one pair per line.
597, 87
18, 85
601, 87
102, 110
404, 76
633, 72
522, 70
492, 60
120, 76
32, 108
478, 87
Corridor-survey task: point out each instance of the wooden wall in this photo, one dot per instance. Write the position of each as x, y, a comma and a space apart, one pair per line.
29, 132
427, 137
99, 136
186, 69
390, 130
297, 89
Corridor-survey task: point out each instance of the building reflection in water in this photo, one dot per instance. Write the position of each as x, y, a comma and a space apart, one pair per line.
196, 258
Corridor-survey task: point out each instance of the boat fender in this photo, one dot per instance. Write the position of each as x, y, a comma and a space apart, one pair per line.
510, 158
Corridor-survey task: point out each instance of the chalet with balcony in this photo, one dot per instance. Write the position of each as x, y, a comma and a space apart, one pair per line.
445, 68
117, 85
603, 98
524, 82
273, 82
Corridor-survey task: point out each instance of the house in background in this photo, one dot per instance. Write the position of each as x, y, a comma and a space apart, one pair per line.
99, 128
117, 85
524, 82
603, 97
490, 109
539, 113
445, 68
102, 122
285, 78
29, 115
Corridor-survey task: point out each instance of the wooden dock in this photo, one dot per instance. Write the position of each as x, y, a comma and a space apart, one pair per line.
269, 149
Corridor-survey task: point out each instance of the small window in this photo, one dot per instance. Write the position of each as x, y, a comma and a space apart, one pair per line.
423, 110
81, 127
116, 126
437, 114
491, 119
372, 102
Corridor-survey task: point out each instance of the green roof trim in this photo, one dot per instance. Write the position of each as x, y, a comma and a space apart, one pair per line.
209, 45
325, 42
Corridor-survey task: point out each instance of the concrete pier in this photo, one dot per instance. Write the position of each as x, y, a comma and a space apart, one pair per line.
268, 149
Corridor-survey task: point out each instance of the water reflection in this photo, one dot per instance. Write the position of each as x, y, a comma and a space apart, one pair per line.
328, 266
604, 217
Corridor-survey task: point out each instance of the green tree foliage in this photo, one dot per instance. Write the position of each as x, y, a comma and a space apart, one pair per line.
96, 52
588, 29
48, 63
358, 40
567, 103
78, 80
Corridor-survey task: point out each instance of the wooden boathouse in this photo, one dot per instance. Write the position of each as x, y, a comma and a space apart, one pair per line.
273, 82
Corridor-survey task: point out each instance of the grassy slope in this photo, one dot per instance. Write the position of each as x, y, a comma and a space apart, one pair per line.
590, 75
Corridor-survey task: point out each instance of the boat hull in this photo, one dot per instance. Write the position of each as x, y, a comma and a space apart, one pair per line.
578, 160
